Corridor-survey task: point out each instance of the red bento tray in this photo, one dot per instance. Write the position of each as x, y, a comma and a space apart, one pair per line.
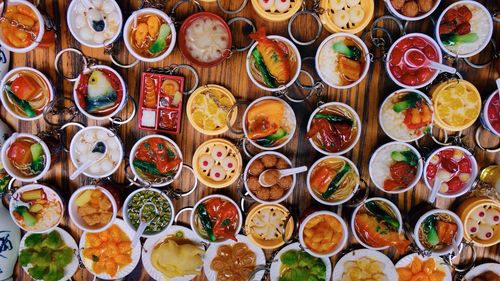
167, 116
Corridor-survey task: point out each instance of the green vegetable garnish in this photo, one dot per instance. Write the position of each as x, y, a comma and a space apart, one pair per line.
300, 266
410, 101
332, 118
271, 139
454, 39
37, 164
268, 78
28, 218
206, 223
406, 156
430, 229
24, 105
351, 52
149, 168
382, 214
160, 44
336, 181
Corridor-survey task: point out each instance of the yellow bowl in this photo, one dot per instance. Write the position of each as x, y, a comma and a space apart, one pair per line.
449, 88
273, 14
328, 22
206, 148
218, 90
464, 212
267, 244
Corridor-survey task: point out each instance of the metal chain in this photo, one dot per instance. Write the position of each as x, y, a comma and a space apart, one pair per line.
317, 7
20, 26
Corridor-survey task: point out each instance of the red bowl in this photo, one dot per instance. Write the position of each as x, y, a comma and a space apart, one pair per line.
182, 38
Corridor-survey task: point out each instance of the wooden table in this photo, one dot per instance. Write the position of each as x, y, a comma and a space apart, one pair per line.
365, 98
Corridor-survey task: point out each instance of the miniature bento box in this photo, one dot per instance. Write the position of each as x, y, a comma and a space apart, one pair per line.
160, 102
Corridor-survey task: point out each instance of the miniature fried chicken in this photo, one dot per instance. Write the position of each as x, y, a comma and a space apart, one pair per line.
276, 192
398, 4
285, 182
256, 168
425, 5
253, 183
410, 9
269, 160
282, 164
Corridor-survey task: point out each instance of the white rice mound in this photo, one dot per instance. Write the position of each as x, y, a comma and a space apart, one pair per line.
328, 60
380, 168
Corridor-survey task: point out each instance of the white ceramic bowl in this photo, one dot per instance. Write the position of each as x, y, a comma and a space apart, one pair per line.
376, 154
136, 146
473, 174
38, 39
429, 40
75, 216
484, 115
288, 109
245, 177
391, 205
396, 13
127, 202
13, 72
388, 99
126, 33
71, 18
79, 135
122, 104
459, 234
204, 199
10, 168
340, 245
365, 53
53, 195
482, 46
352, 111
294, 75
319, 199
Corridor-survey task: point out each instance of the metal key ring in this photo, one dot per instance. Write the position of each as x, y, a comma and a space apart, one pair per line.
178, 193
435, 139
195, 73
383, 18
119, 121
180, 212
405, 26
377, 42
478, 142
51, 109
311, 91
58, 57
110, 50
232, 12
229, 115
451, 256
496, 15
247, 21
490, 60
195, 3
318, 22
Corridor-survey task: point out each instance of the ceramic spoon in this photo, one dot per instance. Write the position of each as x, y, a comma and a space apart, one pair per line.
498, 87
98, 153
282, 173
441, 176
94, 17
419, 59
144, 223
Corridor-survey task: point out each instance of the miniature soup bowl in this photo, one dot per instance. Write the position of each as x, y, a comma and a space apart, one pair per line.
412, 11
490, 115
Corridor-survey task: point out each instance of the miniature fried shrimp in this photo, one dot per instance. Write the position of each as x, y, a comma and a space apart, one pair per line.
425, 5
285, 182
398, 4
276, 192
269, 160
410, 9
253, 183
256, 168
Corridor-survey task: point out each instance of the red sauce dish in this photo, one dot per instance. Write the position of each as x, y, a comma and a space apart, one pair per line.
205, 39
409, 76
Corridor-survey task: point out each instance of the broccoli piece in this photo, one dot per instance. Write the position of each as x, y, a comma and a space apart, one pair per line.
298, 274
33, 240
53, 241
25, 257
63, 257
38, 272
55, 273
42, 258
306, 260
313, 278
319, 269
289, 258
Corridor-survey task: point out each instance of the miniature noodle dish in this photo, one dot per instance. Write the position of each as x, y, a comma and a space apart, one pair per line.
324, 234
26, 158
333, 180
94, 208
206, 40
406, 115
395, 167
298, 265
85, 143
269, 123
483, 223
413, 8
96, 26
154, 205
280, 188
234, 262
150, 35
156, 160
437, 231
341, 60
272, 63
21, 28
216, 219
433, 268
26, 93
454, 168
377, 224
334, 128
465, 28
100, 92
36, 208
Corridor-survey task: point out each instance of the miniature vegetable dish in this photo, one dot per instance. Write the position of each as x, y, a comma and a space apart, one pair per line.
323, 234
437, 230
92, 208
23, 27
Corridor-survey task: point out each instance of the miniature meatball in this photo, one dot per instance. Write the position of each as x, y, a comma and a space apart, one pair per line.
398, 4
282, 164
285, 182
276, 192
410, 9
425, 5
256, 168
253, 183
270, 177
263, 193
269, 160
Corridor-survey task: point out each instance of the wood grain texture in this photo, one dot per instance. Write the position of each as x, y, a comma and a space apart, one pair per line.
364, 98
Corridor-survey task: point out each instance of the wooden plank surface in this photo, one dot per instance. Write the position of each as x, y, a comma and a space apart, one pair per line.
364, 98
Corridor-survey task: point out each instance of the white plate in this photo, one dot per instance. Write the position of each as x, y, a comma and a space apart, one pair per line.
136, 254
153, 241
475, 271
389, 269
71, 268
441, 265
276, 265
212, 253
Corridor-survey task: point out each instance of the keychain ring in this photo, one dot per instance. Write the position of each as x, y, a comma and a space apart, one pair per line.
117, 63
405, 26
195, 74
446, 137
232, 12
195, 3
376, 43
118, 121
490, 60
247, 21
383, 18
318, 23
478, 142
58, 57
72, 110
309, 88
